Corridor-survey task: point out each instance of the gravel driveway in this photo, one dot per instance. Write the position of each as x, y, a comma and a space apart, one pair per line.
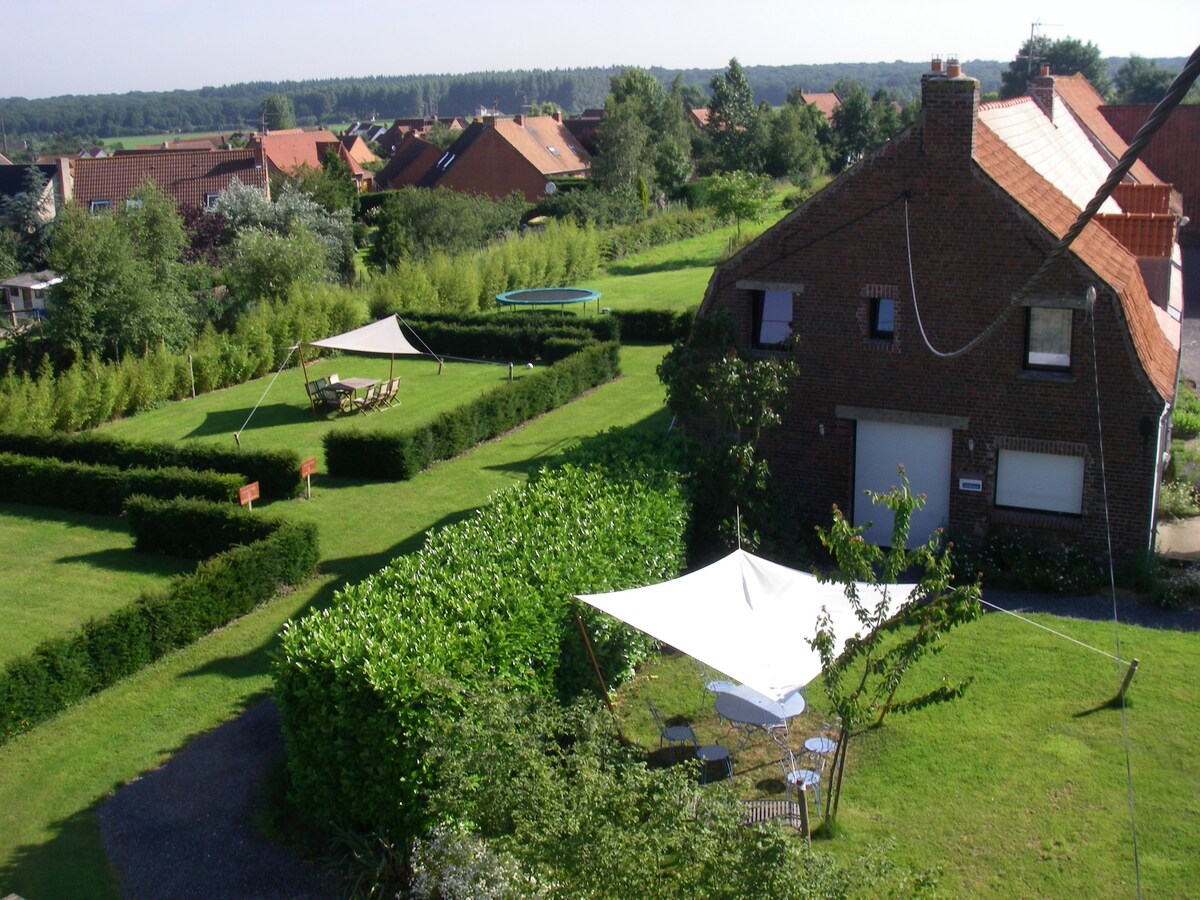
187, 829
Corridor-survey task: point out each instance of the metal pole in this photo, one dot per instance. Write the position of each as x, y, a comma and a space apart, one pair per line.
587, 643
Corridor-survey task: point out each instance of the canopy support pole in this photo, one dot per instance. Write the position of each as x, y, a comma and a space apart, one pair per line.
587, 644
312, 404
392, 367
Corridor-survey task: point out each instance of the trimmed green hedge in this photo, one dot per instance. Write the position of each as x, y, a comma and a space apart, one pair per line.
653, 326
486, 601
398, 455
276, 471
62, 671
193, 529
515, 335
103, 489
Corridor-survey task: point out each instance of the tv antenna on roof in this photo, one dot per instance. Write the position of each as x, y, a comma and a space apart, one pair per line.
1031, 55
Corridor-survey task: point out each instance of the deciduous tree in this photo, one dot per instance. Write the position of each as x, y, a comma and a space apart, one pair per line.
735, 124
1065, 57
276, 112
863, 673
1141, 80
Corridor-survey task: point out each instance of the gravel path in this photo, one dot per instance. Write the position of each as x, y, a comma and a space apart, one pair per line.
187, 829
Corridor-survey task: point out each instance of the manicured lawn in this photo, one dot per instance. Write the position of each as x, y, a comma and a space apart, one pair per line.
95, 571
283, 418
1019, 787
51, 778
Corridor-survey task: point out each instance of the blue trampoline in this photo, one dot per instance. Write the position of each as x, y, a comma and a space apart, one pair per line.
558, 296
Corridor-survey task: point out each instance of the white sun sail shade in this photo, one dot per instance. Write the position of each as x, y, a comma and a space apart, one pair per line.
747, 617
383, 337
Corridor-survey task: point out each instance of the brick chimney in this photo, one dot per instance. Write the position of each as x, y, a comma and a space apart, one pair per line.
949, 106
1041, 88
558, 116
519, 118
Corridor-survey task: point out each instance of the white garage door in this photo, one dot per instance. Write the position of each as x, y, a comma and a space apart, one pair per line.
924, 451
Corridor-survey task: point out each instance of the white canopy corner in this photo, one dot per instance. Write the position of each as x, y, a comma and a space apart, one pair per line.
383, 337
747, 617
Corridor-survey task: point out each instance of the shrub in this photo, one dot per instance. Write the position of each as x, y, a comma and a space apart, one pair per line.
1178, 500
653, 326
103, 489
193, 529
276, 471
361, 685
1185, 417
397, 455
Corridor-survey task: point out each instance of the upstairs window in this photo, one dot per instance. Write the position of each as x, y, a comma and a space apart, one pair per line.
133, 203
210, 199
883, 318
100, 205
772, 319
1048, 339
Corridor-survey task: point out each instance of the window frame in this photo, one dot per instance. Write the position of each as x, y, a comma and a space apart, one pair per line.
760, 318
1029, 350
99, 205
874, 330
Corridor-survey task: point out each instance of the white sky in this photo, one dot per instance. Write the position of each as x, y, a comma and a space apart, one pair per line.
56, 47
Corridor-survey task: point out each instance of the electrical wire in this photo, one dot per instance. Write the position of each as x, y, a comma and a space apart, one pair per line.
279, 372
1112, 582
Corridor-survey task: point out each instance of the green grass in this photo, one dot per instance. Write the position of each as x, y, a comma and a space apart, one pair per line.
51, 778
1019, 787
95, 571
283, 418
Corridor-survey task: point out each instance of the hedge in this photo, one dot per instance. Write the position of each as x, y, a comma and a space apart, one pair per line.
276, 471
399, 455
62, 671
103, 489
653, 326
193, 529
484, 603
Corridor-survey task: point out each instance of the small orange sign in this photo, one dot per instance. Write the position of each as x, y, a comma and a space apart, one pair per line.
248, 493
308, 467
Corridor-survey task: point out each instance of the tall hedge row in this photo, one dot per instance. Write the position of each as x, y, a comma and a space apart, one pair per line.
276, 471
63, 670
103, 489
486, 601
396, 455
517, 336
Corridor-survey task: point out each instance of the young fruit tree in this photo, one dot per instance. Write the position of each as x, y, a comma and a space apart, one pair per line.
862, 673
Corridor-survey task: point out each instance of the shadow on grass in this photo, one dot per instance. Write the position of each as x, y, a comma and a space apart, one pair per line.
71, 517
69, 863
117, 560
699, 261
227, 421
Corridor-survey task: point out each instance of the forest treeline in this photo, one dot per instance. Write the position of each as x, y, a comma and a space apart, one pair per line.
327, 101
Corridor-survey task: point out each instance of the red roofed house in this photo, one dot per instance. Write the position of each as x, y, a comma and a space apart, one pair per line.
290, 149
192, 178
826, 102
412, 159
498, 156
902, 291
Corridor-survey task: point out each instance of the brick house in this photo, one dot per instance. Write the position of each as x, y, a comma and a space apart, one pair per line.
290, 149
412, 159
498, 156
932, 241
193, 178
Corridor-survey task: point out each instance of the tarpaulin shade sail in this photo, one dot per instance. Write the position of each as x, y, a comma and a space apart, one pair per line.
747, 617
384, 337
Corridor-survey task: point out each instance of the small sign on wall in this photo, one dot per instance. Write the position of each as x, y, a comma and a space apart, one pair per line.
971, 483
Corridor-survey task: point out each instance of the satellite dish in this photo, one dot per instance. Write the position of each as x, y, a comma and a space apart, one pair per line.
551, 187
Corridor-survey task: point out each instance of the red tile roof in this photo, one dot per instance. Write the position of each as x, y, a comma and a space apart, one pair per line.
187, 176
1174, 152
1083, 101
826, 102
1157, 349
546, 142
292, 148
